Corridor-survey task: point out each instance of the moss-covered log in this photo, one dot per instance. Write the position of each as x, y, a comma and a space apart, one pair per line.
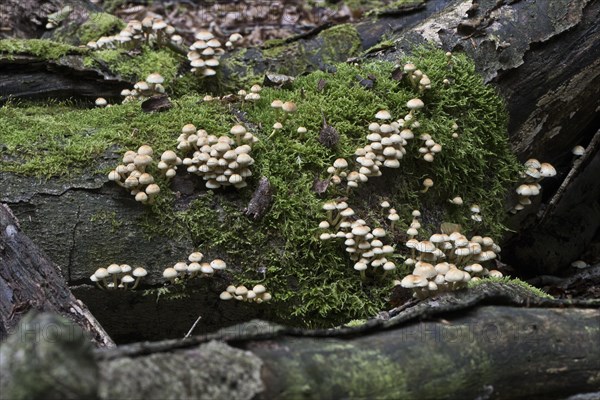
477, 344
30, 281
282, 248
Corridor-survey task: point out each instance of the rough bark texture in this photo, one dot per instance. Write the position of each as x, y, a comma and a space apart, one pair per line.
453, 346
532, 61
27, 19
31, 78
28, 280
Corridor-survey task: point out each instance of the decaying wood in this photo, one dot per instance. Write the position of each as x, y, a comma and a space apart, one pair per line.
455, 346
578, 165
29, 280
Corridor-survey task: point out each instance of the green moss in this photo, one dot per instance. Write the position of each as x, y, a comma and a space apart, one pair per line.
44, 49
331, 46
312, 281
139, 67
345, 371
61, 139
97, 25
107, 218
513, 281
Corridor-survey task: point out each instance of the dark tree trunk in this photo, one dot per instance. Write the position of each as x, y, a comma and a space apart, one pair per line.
30, 281
475, 344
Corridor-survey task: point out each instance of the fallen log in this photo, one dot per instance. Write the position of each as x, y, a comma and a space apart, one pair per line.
471, 344
30, 281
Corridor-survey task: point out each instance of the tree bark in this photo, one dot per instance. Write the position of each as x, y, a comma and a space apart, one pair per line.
472, 344
28, 280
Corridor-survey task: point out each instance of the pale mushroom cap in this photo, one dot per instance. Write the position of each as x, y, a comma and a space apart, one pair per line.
152, 189
578, 150
412, 281
114, 269
259, 289
340, 163
389, 266
204, 35
127, 279
170, 273
360, 266
169, 156
207, 269
454, 275
383, 115
155, 78
218, 264
237, 130
428, 182
101, 273
415, 104
495, 274
241, 290
145, 150
180, 267
225, 296
195, 256
101, 102
547, 170
289, 106
140, 272
424, 269
276, 103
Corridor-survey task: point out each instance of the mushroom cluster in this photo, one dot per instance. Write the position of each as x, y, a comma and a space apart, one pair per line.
150, 30
132, 175
143, 90
258, 294
385, 149
204, 53
117, 276
448, 262
417, 78
183, 270
476, 213
429, 148
533, 174
254, 94
220, 161
282, 107
364, 244
169, 160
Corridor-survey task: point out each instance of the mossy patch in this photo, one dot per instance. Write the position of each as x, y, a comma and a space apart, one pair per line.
340, 370
97, 25
513, 281
329, 47
44, 49
137, 67
312, 282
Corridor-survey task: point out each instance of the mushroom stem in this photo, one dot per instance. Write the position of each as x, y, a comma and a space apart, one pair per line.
135, 284
363, 275
115, 281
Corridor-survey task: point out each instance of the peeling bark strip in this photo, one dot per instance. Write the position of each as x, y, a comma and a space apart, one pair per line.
429, 351
261, 200
29, 281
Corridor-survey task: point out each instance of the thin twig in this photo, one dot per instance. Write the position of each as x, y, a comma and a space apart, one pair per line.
192, 328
